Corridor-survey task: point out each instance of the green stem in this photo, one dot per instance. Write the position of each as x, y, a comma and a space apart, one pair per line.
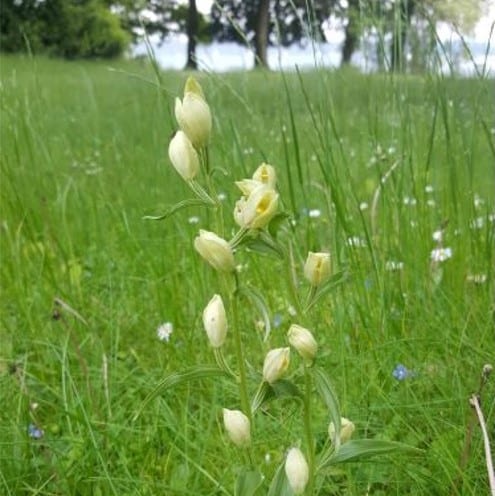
239, 353
308, 428
291, 282
210, 186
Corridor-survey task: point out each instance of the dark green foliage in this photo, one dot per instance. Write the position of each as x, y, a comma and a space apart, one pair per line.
64, 28
290, 21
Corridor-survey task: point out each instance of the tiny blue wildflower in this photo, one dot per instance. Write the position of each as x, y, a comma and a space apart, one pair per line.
277, 320
35, 432
401, 372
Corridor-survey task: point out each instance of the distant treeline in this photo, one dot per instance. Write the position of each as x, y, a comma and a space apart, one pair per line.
106, 28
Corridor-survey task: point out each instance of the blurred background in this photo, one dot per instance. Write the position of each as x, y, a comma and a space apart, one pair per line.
373, 35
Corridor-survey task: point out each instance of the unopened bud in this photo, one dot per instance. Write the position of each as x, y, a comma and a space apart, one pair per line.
215, 321
215, 250
276, 364
317, 268
237, 426
296, 470
303, 342
346, 430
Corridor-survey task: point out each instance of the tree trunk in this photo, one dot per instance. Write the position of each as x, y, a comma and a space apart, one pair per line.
399, 36
192, 33
261, 34
351, 33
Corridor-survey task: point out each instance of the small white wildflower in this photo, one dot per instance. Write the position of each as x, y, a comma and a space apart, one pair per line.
441, 254
356, 242
391, 150
429, 188
409, 200
268, 458
430, 202
221, 196
194, 219
438, 236
314, 213
476, 278
491, 218
164, 331
393, 266
477, 223
313, 157
413, 224
363, 206
478, 201
291, 311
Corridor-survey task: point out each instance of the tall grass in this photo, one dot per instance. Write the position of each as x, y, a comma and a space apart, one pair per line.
385, 160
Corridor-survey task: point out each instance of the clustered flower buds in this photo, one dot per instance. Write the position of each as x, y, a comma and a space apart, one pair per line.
346, 430
317, 268
253, 211
193, 114
260, 201
276, 364
215, 250
296, 470
215, 321
237, 426
303, 342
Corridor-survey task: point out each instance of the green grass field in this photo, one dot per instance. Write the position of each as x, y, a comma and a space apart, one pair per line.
369, 168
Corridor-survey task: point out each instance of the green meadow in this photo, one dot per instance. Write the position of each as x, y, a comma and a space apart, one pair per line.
392, 174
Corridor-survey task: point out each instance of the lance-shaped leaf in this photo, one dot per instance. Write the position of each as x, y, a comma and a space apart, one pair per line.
278, 389
178, 206
280, 485
248, 482
256, 299
358, 449
191, 374
334, 282
328, 395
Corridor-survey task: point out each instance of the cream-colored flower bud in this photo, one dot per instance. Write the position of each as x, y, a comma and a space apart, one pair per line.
183, 156
276, 364
237, 426
266, 174
303, 342
346, 430
193, 114
215, 250
215, 321
260, 207
296, 470
317, 268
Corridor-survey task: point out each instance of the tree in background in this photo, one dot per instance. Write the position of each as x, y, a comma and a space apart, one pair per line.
192, 26
265, 22
64, 28
165, 18
410, 25
352, 31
